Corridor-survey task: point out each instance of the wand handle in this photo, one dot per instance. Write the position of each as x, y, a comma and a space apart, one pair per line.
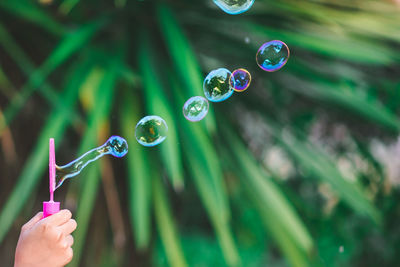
51, 207
52, 168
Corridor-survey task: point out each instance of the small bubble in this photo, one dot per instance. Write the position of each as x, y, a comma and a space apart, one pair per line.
118, 146
195, 108
341, 249
247, 40
241, 78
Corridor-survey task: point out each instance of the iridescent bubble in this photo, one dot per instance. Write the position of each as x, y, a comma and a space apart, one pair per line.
115, 145
234, 7
217, 85
151, 131
118, 146
242, 79
195, 108
272, 55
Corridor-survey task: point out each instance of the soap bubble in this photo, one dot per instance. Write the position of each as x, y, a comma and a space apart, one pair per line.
217, 85
118, 146
234, 7
272, 55
115, 145
151, 131
242, 79
195, 108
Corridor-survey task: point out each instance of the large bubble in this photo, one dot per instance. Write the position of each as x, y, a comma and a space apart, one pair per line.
217, 85
234, 7
272, 55
151, 131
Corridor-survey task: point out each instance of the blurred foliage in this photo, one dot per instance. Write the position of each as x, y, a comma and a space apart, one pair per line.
300, 170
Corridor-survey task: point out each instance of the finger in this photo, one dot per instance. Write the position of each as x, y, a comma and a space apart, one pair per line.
68, 256
59, 218
68, 227
33, 221
69, 241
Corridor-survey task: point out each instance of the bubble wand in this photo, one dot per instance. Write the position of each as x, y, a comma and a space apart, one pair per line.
115, 145
51, 207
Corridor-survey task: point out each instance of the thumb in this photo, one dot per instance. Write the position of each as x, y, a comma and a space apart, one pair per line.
33, 221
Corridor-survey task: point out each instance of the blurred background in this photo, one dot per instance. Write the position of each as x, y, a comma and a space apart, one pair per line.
302, 169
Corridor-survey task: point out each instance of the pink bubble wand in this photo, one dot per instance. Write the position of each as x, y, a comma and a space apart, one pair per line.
51, 207
115, 145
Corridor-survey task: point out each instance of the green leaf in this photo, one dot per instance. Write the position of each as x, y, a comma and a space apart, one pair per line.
220, 223
6, 88
30, 11
188, 68
205, 169
67, 5
349, 99
158, 104
322, 167
27, 66
166, 227
67, 47
277, 213
139, 174
131, 78
328, 43
84, 212
373, 19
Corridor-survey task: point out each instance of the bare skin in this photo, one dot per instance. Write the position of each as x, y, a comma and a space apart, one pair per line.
47, 242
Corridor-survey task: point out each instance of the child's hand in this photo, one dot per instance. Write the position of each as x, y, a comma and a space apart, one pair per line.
47, 242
